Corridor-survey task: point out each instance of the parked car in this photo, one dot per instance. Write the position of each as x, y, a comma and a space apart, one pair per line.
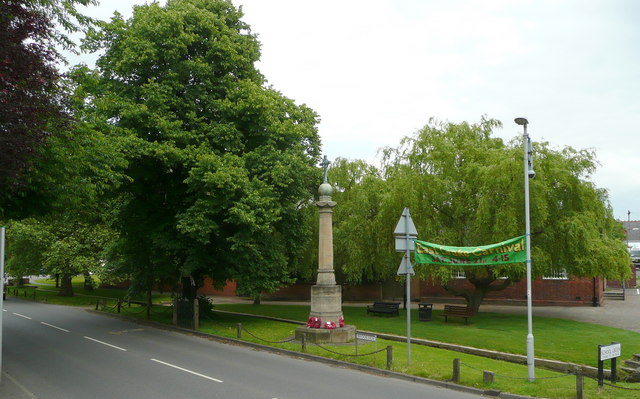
635, 254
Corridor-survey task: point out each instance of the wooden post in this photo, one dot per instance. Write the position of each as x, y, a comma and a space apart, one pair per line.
614, 375
239, 331
487, 377
579, 383
196, 314
303, 342
175, 311
119, 305
456, 371
389, 357
356, 345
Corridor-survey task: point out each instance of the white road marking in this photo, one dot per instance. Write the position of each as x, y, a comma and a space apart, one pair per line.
185, 370
104, 343
52, 326
21, 315
4, 310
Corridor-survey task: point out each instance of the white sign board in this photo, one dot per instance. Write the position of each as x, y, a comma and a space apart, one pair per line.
610, 351
402, 244
366, 337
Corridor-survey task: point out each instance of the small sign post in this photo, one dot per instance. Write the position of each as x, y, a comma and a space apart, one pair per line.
405, 233
366, 337
606, 352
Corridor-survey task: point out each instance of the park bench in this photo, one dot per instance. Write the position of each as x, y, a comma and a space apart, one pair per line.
457, 311
384, 308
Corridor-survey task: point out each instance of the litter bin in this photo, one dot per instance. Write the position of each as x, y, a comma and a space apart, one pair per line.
424, 311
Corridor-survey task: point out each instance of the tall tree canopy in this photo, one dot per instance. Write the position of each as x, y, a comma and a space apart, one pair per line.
465, 188
31, 102
218, 163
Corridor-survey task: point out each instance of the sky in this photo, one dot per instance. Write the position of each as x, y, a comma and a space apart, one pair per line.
377, 70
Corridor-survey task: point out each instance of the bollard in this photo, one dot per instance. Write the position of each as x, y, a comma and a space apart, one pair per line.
119, 304
174, 312
97, 302
239, 331
196, 314
389, 357
456, 371
303, 342
579, 383
487, 377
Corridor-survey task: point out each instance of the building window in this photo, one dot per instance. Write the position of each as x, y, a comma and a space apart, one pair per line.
557, 275
458, 274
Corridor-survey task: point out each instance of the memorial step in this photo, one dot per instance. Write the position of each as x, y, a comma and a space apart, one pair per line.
614, 295
634, 374
633, 364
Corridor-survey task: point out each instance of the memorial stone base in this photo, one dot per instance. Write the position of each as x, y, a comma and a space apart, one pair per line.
326, 302
324, 336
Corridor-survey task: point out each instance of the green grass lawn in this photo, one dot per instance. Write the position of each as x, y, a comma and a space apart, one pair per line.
425, 361
557, 339
47, 292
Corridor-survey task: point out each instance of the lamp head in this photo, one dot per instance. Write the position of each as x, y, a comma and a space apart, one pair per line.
522, 121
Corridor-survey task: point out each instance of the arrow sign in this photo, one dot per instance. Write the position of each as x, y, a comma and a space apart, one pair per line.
405, 267
405, 226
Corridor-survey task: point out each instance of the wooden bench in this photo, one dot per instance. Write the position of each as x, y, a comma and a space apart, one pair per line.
457, 311
384, 308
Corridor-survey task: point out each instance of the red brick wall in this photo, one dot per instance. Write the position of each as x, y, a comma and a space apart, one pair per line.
208, 289
302, 291
575, 291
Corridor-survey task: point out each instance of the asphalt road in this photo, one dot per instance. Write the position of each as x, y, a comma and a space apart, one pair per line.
67, 353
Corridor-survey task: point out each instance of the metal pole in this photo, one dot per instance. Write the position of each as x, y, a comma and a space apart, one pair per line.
530, 357
408, 303
1, 292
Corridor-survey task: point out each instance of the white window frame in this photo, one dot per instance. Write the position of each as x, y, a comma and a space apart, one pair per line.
557, 275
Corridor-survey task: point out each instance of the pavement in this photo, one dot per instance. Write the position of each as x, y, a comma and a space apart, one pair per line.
12, 389
614, 313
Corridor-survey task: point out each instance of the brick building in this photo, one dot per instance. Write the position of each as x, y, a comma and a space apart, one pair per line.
559, 289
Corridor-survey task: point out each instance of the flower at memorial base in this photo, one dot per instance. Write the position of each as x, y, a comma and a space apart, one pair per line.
329, 325
341, 321
314, 322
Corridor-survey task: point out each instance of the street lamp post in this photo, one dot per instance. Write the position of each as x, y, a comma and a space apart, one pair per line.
528, 173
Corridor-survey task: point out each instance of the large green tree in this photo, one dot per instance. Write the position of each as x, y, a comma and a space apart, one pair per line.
32, 102
465, 188
219, 163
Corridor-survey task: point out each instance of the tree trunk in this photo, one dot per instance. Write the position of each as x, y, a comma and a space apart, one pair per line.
149, 303
88, 282
256, 299
481, 287
475, 298
66, 289
189, 290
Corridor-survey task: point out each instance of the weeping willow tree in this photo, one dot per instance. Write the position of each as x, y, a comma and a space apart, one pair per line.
465, 188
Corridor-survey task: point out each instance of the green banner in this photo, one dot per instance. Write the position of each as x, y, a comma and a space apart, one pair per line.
510, 251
